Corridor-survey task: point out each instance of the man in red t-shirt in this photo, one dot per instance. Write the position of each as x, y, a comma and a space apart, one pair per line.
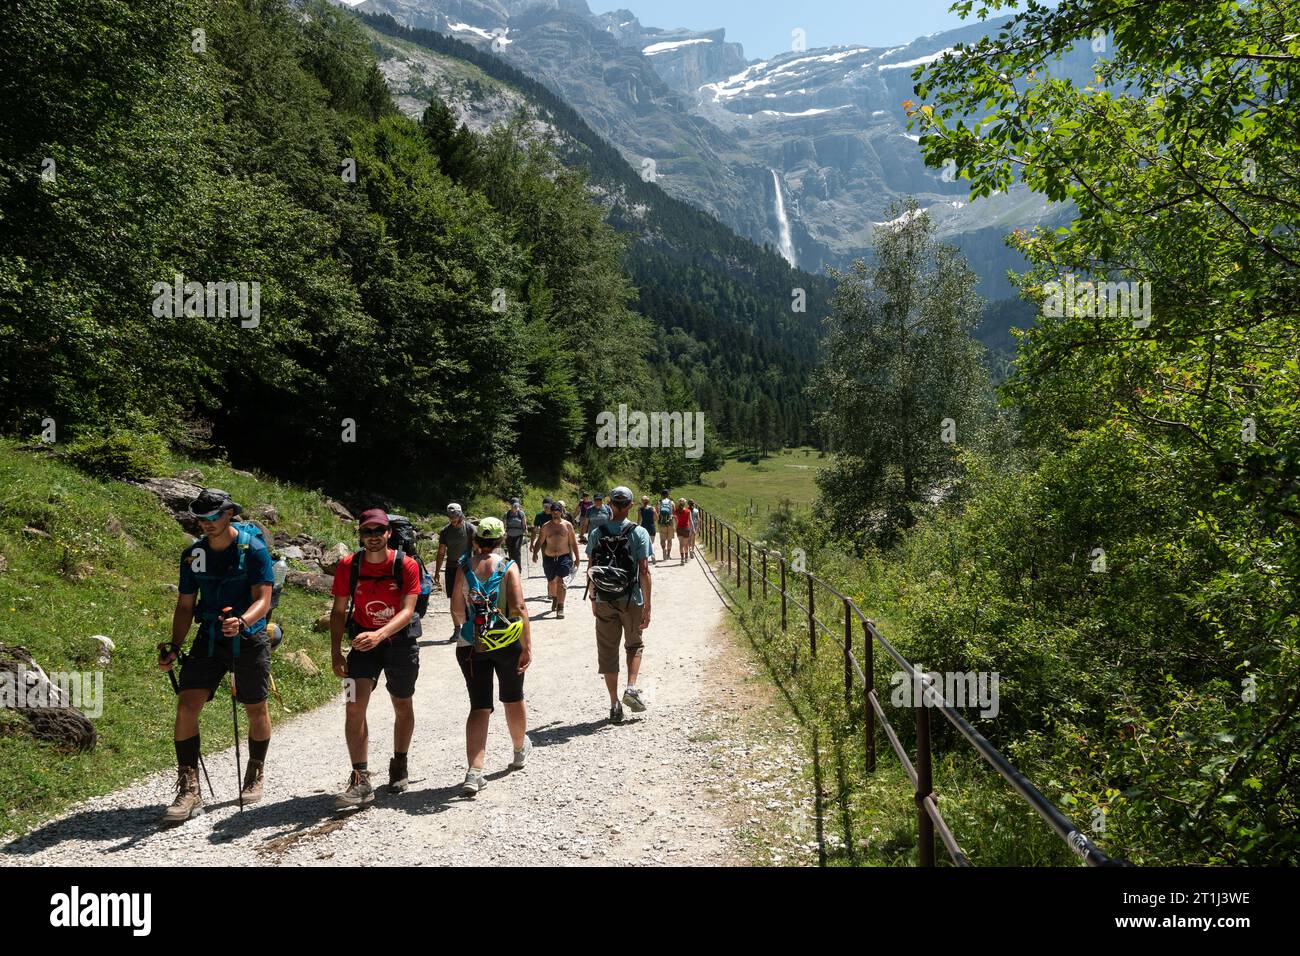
375, 590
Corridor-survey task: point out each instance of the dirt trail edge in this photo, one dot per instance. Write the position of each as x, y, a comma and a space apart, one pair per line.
687, 783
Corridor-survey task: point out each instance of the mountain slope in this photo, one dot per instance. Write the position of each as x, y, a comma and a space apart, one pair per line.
825, 127
723, 305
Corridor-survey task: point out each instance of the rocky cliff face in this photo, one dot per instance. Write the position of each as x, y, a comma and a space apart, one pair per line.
686, 108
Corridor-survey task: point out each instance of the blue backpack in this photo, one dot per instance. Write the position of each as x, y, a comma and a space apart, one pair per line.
484, 606
216, 585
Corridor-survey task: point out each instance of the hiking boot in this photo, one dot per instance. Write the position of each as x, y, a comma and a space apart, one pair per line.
397, 779
252, 789
189, 801
521, 756
474, 782
632, 697
359, 790
616, 713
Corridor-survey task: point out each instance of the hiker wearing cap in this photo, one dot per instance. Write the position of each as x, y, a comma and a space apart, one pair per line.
487, 605
375, 592
229, 570
516, 523
666, 524
559, 546
618, 578
647, 517
539, 519
597, 514
454, 540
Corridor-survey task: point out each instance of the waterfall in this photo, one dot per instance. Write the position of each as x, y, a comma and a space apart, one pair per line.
787, 243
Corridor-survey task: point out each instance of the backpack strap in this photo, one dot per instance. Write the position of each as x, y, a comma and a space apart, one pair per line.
399, 569
354, 578
242, 542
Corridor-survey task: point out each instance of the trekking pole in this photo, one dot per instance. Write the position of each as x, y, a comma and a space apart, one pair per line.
163, 650
234, 716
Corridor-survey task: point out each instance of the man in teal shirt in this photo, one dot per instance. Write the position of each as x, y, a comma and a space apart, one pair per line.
622, 616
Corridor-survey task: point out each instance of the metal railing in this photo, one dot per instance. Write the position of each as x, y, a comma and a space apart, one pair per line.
725, 544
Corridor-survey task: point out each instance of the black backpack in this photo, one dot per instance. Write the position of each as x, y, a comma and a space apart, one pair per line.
613, 571
402, 538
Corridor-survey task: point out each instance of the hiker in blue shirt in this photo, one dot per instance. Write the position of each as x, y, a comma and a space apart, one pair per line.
618, 578
228, 567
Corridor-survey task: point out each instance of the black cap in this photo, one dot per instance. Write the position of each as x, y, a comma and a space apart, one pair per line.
211, 500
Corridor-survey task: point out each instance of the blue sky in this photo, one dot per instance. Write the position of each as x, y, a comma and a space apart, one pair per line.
764, 26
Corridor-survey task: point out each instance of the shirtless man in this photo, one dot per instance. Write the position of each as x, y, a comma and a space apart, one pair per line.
559, 546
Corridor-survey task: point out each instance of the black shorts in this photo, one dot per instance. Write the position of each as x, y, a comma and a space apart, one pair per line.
478, 669
560, 566
449, 577
399, 659
252, 668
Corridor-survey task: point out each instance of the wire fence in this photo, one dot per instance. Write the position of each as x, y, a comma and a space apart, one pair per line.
734, 554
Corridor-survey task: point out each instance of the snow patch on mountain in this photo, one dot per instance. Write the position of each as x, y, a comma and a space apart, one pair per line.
656, 48
919, 61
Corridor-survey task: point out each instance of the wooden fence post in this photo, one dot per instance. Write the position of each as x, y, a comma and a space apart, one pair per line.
812, 620
783, 624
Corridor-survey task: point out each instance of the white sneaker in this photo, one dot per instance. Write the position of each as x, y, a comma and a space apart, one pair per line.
632, 697
474, 782
521, 756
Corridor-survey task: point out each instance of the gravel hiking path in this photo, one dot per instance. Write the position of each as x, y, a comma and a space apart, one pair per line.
677, 785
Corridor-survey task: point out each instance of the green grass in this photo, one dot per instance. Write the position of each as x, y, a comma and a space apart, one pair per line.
745, 490
871, 813
869, 816
87, 579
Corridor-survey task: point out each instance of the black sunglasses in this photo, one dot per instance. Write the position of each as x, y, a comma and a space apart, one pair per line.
373, 532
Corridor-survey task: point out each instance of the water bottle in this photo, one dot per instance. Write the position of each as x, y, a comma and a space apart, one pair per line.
280, 571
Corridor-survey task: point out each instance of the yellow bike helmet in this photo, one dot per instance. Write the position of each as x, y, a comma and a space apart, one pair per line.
502, 632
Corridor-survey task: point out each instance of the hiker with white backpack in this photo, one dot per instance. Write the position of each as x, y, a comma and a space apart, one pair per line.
618, 580
491, 617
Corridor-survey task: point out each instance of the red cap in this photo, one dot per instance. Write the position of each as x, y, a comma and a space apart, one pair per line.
373, 516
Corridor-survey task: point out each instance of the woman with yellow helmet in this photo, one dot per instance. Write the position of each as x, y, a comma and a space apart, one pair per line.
493, 637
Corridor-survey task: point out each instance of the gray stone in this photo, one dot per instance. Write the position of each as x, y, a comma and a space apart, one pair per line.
330, 560
339, 510
302, 660
316, 583
175, 495
102, 648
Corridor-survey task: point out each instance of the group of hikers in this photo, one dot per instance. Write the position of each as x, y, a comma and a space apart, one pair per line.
380, 593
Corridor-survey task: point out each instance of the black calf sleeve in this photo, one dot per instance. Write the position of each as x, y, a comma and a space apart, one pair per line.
187, 752
257, 749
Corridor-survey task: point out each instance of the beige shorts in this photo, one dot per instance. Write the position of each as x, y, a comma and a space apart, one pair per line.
615, 621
